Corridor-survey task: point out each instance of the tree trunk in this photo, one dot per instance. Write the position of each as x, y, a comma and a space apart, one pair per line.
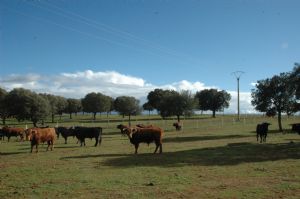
52, 118
214, 114
3, 120
178, 118
70, 115
95, 116
279, 121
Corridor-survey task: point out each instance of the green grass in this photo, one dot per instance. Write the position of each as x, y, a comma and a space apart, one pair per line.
210, 158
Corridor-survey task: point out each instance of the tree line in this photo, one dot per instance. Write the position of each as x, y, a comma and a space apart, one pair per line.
24, 104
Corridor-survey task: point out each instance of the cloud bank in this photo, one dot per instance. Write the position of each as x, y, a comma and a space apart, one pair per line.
111, 83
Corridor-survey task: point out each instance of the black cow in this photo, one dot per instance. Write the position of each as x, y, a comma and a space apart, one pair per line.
262, 131
65, 132
296, 127
88, 132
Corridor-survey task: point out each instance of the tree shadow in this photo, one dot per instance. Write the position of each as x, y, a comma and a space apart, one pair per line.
202, 138
232, 154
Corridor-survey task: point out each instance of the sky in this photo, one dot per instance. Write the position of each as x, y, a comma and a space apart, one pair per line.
131, 47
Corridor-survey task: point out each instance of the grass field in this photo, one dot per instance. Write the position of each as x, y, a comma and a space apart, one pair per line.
209, 158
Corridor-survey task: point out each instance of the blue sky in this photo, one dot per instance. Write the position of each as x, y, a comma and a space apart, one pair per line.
118, 47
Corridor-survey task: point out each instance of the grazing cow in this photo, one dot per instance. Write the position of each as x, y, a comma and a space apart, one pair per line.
146, 135
88, 132
13, 131
65, 132
296, 127
177, 125
38, 135
262, 131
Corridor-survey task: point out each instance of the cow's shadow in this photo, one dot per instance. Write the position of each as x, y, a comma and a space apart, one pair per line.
231, 154
202, 138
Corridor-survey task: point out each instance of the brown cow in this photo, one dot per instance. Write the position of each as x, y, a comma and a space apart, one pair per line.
13, 131
146, 135
38, 135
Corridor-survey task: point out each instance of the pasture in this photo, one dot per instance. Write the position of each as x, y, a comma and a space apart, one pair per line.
209, 158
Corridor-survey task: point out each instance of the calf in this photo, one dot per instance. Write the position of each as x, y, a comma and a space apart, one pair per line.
13, 131
262, 131
177, 125
88, 132
145, 135
38, 135
296, 127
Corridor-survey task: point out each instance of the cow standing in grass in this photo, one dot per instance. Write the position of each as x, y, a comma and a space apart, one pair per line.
145, 135
296, 127
13, 131
65, 132
177, 126
88, 132
38, 135
262, 131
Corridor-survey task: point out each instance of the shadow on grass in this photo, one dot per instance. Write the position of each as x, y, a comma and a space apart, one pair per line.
94, 156
11, 153
202, 138
232, 154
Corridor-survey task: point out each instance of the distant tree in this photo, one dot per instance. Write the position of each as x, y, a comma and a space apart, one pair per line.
147, 106
155, 97
178, 104
111, 107
61, 105
213, 100
96, 103
53, 100
3, 106
73, 106
277, 93
26, 105
126, 105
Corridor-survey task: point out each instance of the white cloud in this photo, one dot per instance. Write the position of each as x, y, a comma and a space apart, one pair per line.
114, 84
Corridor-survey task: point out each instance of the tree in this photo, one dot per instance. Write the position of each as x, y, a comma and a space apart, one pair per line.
3, 107
26, 105
61, 105
213, 100
178, 104
73, 106
147, 106
95, 103
126, 105
53, 101
276, 93
155, 97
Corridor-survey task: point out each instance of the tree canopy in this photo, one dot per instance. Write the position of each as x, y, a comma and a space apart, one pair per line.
213, 100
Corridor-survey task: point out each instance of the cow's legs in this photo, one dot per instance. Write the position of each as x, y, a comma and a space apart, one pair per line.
136, 148
96, 141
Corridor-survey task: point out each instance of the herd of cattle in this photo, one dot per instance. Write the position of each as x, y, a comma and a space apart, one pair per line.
137, 134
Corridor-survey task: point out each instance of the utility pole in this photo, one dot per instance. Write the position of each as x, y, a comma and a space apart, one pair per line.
238, 74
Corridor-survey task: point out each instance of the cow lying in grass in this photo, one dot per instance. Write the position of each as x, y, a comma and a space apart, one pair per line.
145, 135
262, 131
